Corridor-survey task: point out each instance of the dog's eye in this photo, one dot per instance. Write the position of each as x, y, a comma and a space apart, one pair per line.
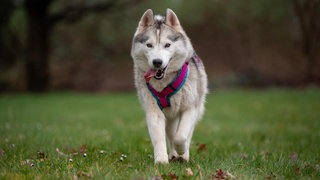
167, 45
149, 45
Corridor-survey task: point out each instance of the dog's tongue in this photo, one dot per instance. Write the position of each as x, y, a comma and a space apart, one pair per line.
149, 74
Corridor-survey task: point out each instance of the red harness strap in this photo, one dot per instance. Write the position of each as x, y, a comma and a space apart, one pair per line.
163, 97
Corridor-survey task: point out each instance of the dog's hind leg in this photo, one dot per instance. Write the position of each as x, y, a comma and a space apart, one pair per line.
185, 156
171, 129
156, 127
184, 133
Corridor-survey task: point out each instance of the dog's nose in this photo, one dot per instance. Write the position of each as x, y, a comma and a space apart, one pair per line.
157, 63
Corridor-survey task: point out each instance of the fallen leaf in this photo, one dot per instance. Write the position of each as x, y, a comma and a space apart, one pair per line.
272, 176
201, 147
82, 149
41, 155
70, 150
294, 157
222, 175
170, 176
2, 152
219, 174
189, 172
85, 174
298, 171
82, 175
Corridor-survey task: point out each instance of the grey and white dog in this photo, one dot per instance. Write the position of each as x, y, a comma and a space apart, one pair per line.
171, 82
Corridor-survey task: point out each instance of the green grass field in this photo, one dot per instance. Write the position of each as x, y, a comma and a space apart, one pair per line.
252, 134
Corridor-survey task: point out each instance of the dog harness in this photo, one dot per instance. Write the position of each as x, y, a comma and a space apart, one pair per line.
163, 97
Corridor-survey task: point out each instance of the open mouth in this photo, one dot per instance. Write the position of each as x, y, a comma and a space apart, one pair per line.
158, 74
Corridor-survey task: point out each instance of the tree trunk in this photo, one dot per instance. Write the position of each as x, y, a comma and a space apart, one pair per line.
37, 70
308, 13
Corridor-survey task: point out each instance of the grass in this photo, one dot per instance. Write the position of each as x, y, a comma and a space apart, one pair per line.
253, 134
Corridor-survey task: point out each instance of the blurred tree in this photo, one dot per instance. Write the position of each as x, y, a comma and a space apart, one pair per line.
37, 44
6, 50
40, 25
308, 13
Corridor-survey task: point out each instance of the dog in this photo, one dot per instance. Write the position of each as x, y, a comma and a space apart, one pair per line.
171, 83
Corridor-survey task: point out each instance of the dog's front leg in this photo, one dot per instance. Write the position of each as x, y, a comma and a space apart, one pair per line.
156, 127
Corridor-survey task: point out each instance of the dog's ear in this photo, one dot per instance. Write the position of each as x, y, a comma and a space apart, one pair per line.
146, 20
172, 20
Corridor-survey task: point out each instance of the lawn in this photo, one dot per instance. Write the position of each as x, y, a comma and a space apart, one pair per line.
251, 134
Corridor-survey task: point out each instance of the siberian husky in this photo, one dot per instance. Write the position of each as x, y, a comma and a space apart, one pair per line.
171, 82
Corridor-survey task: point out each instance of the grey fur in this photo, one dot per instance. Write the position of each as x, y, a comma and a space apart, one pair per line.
141, 38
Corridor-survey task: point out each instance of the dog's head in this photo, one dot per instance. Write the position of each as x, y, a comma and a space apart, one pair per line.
160, 45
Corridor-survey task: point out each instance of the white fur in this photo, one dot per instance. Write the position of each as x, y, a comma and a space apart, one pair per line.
178, 121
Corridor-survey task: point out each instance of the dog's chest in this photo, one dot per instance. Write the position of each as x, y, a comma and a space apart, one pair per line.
180, 103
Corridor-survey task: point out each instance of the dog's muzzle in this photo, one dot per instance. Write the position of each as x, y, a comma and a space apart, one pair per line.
160, 74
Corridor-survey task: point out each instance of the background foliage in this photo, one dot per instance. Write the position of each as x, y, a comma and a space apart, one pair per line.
243, 43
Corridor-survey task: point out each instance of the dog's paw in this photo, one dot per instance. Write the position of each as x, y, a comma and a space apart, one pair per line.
181, 159
185, 156
161, 160
177, 159
173, 154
